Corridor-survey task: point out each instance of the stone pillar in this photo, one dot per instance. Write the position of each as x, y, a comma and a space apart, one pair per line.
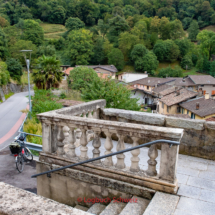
83, 142
153, 154
120, 157
135, 159
46, 136
168, 162
108, 146
60, 143
90, 114
96, 145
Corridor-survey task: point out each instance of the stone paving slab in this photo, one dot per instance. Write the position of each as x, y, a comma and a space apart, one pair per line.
201, 183
195, 206
179, 212
207, 195
189, 191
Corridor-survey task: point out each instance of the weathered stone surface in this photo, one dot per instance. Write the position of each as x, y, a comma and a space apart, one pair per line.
15, 201
114, 208
162, 204
209, 125
137, 206
185, 123
96, 209
80, 207
126, 115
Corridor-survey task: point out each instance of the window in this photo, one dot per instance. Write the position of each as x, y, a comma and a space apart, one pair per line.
192, 116
135, 85
202, 85
213, 85
162, 105
188, 112
182, 110
147, 87
178, 109
167, 108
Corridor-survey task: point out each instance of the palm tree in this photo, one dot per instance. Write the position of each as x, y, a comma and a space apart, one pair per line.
48, 74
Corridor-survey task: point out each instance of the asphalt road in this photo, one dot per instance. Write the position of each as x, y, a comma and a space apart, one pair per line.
9, 116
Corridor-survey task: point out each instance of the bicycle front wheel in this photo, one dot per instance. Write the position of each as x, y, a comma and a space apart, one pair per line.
28, 154
20, 163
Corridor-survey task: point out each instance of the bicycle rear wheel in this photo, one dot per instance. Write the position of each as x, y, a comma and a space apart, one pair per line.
20, 163
28, 154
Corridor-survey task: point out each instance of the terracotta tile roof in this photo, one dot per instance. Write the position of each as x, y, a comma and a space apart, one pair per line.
211, 119
67, 71
168, 91
202, 79
161, 88
186, 81
172, 98
151, 81
110, 68
206, 106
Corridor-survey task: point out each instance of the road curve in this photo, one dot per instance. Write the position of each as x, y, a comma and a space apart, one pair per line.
10, 115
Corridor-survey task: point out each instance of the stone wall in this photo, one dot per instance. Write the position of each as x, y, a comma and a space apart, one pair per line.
15, 88
199, 135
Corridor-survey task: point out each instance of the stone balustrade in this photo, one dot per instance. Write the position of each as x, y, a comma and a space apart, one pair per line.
59, 144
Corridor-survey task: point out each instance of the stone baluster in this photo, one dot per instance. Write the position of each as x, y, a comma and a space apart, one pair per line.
153, 154
135, 159
84, 115
60, 143
120, 157
108, 146
46, 135
90, 114
83, 142
96, 145
96, 114
71, 141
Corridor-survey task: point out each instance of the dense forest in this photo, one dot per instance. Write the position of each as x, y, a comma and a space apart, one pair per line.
141, 33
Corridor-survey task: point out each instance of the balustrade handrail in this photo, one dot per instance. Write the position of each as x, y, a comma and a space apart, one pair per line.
170, 142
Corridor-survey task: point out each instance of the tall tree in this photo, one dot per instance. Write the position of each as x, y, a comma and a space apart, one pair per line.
207, 42
4, 74
48, 73
15, 68
74, 24
116, 58
80, 47
3, 45
193, 30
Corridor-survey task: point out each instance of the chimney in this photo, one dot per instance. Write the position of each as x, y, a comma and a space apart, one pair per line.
177, 92
197, 105
207, 96
200, 93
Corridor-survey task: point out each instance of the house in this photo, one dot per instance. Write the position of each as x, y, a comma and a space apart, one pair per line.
198, 83
199, 108
145, 97
149, 83
104, 71
66, 72
169, 104
130, 77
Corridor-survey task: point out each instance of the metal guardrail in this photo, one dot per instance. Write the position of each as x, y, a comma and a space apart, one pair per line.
31, 146
170, 142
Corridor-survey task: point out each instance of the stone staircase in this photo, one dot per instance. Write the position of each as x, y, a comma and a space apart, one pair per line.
137, 206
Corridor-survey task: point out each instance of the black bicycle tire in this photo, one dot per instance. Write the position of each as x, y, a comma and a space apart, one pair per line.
31, 155
20, 160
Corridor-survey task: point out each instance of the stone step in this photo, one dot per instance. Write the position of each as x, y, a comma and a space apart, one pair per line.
136, 206
114, 208
162, 204
80, 207
96, 208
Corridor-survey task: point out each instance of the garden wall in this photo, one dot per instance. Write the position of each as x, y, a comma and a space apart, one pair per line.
199, 135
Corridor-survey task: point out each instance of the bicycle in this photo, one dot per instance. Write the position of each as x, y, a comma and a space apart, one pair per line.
21, 153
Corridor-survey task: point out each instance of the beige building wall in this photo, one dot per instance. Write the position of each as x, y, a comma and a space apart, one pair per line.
164, 109
103, 71
196, 116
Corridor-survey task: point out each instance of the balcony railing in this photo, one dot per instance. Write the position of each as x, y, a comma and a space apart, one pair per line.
60, 127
